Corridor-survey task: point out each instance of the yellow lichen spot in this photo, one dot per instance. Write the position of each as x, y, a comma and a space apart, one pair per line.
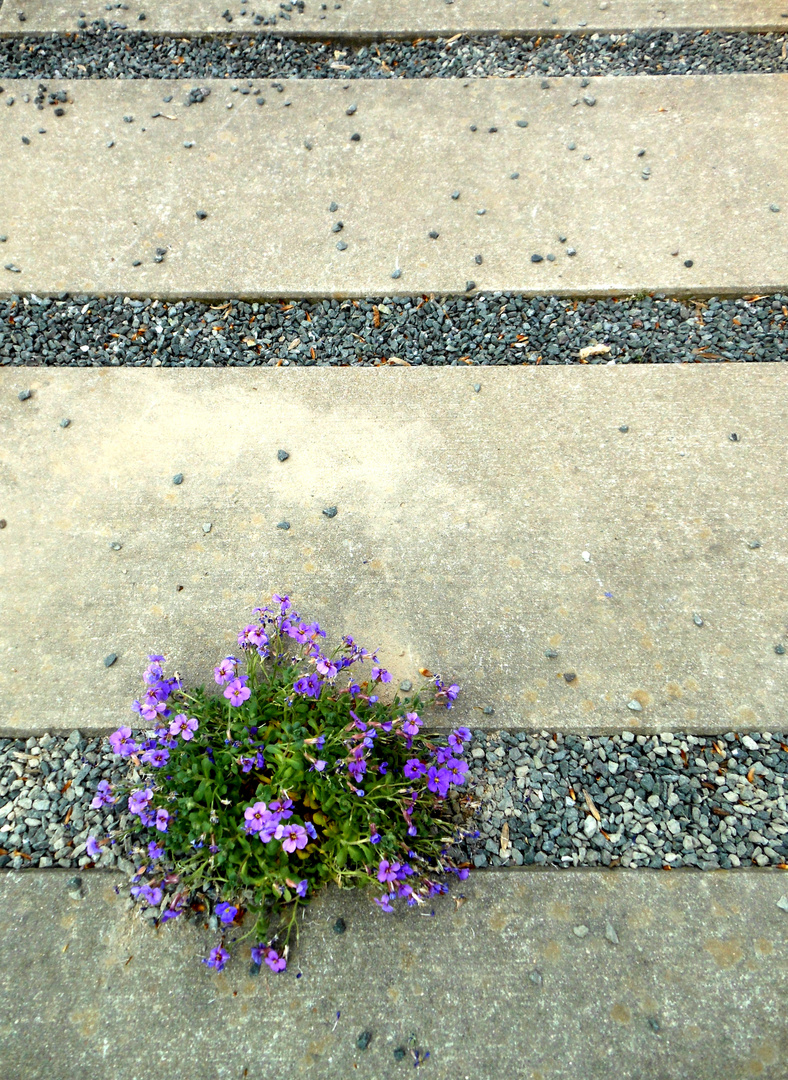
646, 642
642, 696
514, 562
552, 950
673, 690
726, 951
690, 684
156, 610
308, 568
747, 716
530, 696
620, 1013
540, 683
587, 706
691, 714
555, 640
559, 910
764, 946
640, 919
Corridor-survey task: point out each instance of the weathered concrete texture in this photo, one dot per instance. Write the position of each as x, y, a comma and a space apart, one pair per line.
458, 543
406, 18
714, 148
501, 986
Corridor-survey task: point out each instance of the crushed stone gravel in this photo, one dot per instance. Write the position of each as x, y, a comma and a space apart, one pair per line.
542, 799
487, 328
105, 53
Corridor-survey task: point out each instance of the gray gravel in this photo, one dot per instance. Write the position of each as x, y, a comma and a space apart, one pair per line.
103, 53
484, 328
622, 800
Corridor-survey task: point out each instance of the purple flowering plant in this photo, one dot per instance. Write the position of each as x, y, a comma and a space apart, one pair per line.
293, 775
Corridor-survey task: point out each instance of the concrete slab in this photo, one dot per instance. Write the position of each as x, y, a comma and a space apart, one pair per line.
713, 157
459, 542
406, 18
500, 986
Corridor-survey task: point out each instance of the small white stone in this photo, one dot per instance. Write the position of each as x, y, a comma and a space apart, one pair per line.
750, 743
610, 933
782, 903
580, 931
587, 556
206, 527
590, 826
634, 705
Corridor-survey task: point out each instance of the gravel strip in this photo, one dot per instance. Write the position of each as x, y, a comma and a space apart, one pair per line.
492, 328
98, 53
551, 800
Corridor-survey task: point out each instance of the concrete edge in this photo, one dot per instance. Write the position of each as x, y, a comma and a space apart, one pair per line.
363, 37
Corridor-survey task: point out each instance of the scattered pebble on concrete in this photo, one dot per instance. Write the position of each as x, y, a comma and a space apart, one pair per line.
282, 455
330, 511
178, 478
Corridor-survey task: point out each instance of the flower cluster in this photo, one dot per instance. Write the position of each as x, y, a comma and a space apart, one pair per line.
295, 774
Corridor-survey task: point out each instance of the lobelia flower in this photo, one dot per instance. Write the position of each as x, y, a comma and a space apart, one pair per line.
255, 817
156, 758
217, 958
92, 847
320, 742
318, 766
311, 831
302, 887
282, 807
147, 817
308, 685
383, 767
383, 901
150, 894
162, 820
246, 763
155, 851
414, 769
327, 667
237, 693
226, 912
275, 961
138, 800
438, 780
357, 767
103, 796
379, 673
374, 835
443, 754
122, 742
183, 727
292, 837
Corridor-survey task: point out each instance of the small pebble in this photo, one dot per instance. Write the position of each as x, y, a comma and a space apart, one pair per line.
283, 525
535, 977
537, 258
780, 650
514, 176
477, 387
753, 544
477, 259
733, 437
570, 676
697, 620
406, 686
571, 251
653, 1023
207, 527
433, 235
775, 209
110, 660
23, 395
3, 523
333, 208
341, 245
282, 455
580, 931
396, 273
455, 195
610, 933
635, 705
115, 546
340, 926
178, 478
688, 262
551, 654
488, 710
65, 422
330, 512
522, 123
589, 99
364, 1039
355, 137
202, 215
624, 428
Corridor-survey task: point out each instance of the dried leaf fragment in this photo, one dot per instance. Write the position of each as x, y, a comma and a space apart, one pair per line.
593, 350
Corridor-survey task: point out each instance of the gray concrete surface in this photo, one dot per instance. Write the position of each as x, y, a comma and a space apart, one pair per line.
406, 18
499, 986
78, 214
458, 543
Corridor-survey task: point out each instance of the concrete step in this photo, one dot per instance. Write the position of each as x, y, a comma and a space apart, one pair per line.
104, 194
407, 18
474, 531
499, 985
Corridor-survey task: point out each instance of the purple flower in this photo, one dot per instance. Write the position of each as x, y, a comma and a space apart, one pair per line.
92, 848
444, 754
383, 901
122, 742
302, 887
282, 807
258, 953
156, 758
147, 817
138, 800
226, 912
318, 766
308, 685
382, 768
414, 769
458, 737
155, 851
357, 767
311, 831
374, 835
237, 693
326, 667
225, 671
217, 958
275, 961
457, 770
162, 820
255, 817
292, 837
412, 723
379, 673
150, 894
103, 796
183, 727
246, 763
387, 871
269, 827
438, 780
320, 742
412, 830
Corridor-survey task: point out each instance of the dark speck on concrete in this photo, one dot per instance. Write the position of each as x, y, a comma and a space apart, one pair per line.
23, 395
551, 654
330, 511
688, 262
110, 660
570, 676
780, 650
733, 437
282, 455
364, 1039
178, 478
488, 710
283, 525
624, 428
340, 926
65, 422
536, 258
202, 214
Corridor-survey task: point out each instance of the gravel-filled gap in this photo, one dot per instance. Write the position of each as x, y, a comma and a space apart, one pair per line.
545, 799
106, 53
483, 329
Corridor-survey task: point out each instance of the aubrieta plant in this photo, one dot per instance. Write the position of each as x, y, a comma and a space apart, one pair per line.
293, 775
